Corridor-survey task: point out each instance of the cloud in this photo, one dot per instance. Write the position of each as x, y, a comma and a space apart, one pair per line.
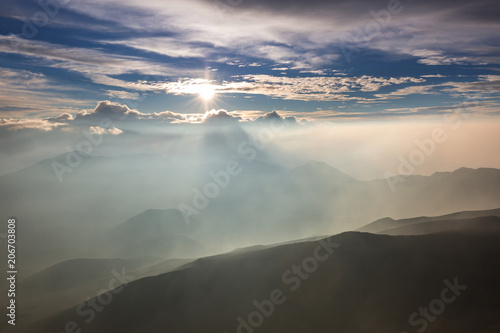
20, 124
488, 86
293, 88
62, 118
467, 108
411, 90
107, 109
169, 116
303, 35
274, 116
433, 76
308, 34
439, 33
122, 113
169, 46
123, 94
317, 72
220, 116
23, 91
435, 58
313, 88
99, 130
89, 61
190, 29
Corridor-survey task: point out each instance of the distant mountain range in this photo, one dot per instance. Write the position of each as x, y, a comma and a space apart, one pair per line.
352, 282
415, 225
264, 203
70, 282
221, 280
157, 232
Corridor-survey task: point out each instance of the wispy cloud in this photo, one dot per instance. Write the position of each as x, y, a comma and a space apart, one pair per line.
39, 124
294, 88
89, 62
23, 91
132, 47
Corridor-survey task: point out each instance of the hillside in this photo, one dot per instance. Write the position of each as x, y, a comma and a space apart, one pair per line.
369, 283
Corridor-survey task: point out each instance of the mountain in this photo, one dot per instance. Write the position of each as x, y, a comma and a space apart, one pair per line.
388, 224
476, 224
154, 223
71, 282
156, 232
317, 175
352, 282
443, 192
77, 272
260, 203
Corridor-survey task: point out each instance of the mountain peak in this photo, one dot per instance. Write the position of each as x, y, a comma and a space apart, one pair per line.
323, 169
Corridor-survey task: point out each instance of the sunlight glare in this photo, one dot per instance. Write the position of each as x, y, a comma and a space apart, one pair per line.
207, 92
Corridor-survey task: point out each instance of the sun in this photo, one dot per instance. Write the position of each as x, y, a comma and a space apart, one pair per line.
206, 92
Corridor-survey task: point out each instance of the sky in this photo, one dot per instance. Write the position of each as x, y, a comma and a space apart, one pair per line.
69, 62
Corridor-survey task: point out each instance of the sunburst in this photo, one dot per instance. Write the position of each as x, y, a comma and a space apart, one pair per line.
206, 92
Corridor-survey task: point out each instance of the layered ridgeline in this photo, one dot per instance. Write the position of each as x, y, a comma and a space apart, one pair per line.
191, 209
463, 221
73, 281
445, 281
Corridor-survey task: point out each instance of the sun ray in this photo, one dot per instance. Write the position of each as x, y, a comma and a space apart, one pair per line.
206, 92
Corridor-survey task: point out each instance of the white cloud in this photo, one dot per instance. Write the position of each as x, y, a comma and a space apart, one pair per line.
486, 86
23, 91
123, 94
99, 130
411, 90
435, 58
219, 116
433, 76
169, 46
196, 29
122, 113
62, 118
296, 88
317, 71
19, 124
88, 61
313, 88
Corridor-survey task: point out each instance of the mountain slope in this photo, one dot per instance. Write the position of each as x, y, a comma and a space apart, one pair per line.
263, 203
156, 232
68, 283
370, 283
387, 223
